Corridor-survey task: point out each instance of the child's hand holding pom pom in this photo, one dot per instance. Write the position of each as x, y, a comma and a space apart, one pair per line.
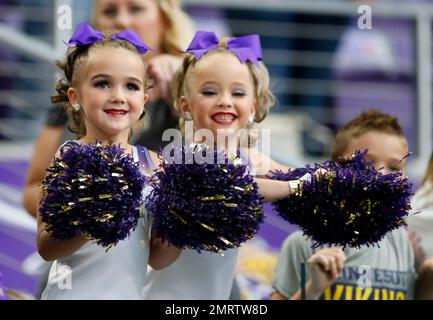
211, 205
349, 204
94, 191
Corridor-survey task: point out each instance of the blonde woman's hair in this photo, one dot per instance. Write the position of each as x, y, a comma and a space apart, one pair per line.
180, 28
72, 73
260, 75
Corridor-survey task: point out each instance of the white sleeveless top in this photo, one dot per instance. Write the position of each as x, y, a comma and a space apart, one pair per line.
195, 276
92, 273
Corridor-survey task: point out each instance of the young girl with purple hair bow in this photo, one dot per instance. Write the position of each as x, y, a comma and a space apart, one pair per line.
104, 87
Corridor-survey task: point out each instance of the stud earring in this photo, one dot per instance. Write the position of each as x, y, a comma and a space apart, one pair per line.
250, 121
76, 107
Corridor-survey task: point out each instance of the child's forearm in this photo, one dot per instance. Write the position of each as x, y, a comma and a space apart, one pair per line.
310, 293
273, 190
51, 249
162, 254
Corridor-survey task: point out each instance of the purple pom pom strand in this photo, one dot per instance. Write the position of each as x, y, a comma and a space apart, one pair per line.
353, 204
94, 191
204, 205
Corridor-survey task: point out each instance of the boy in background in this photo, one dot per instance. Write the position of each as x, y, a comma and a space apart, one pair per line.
383, 272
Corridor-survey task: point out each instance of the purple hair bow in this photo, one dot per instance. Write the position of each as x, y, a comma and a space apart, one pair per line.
86, 35
245, 47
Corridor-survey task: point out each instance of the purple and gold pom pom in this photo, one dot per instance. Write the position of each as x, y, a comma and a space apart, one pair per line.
94, 191
211, 205
353, 204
